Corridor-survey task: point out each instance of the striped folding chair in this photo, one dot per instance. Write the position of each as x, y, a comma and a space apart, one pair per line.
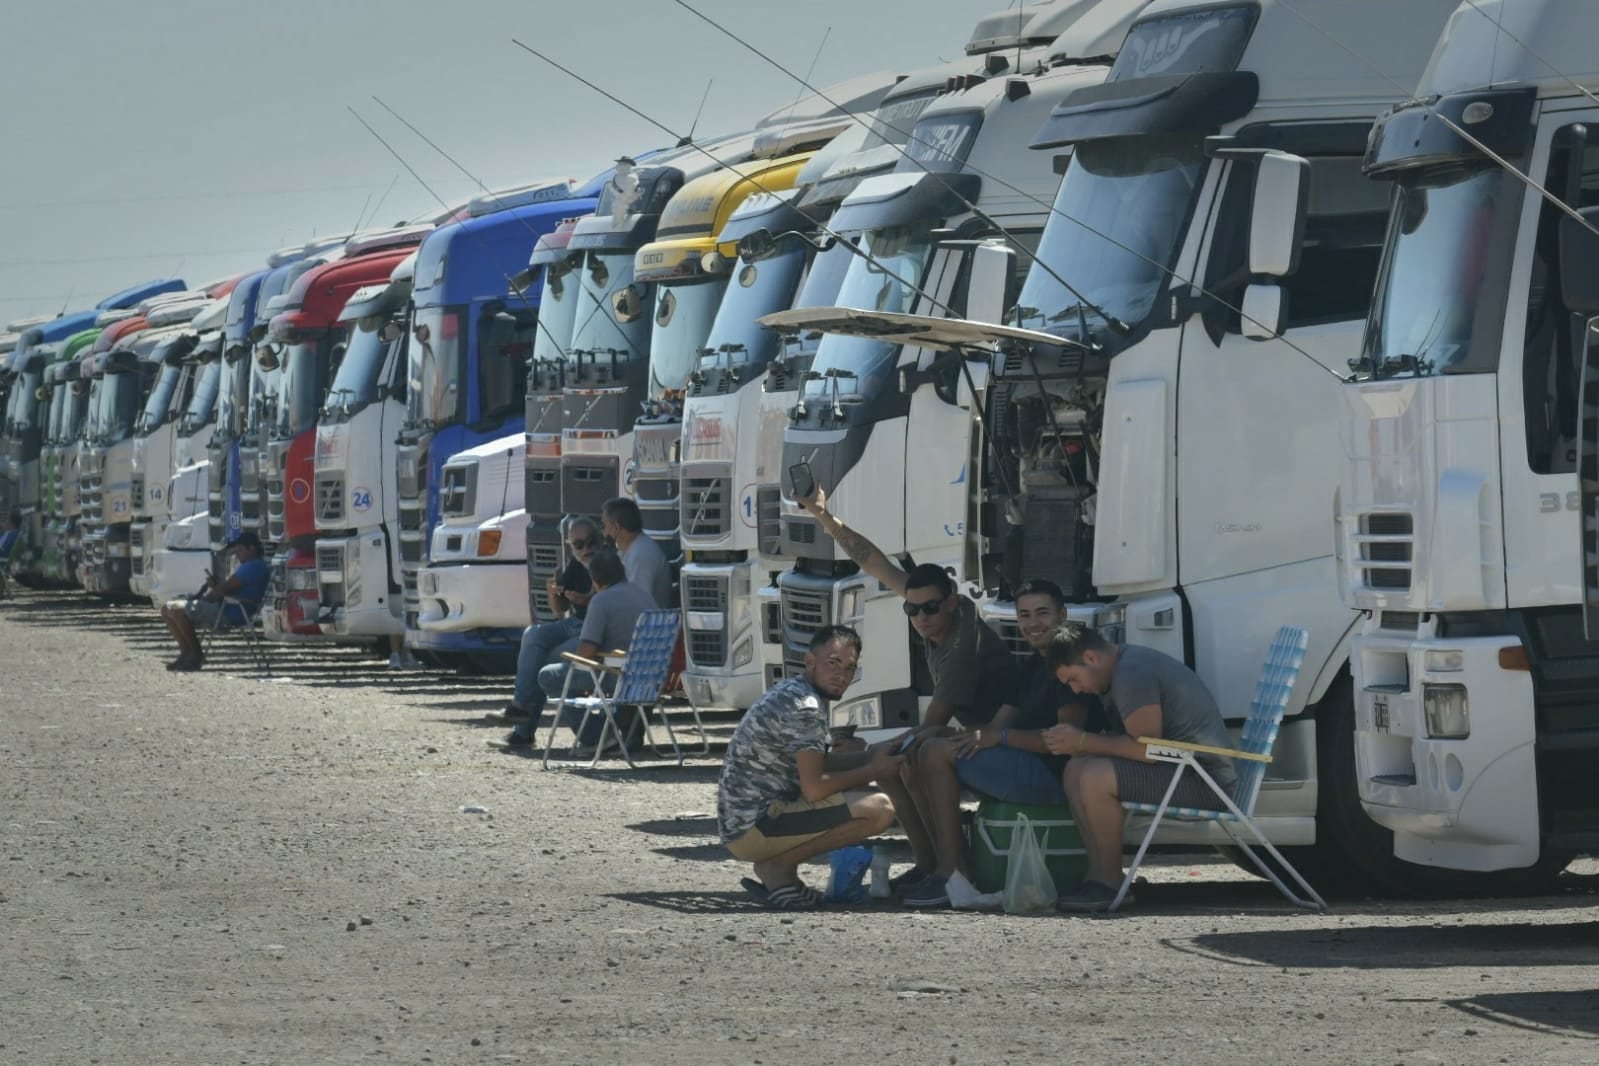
1266, 711
634, 680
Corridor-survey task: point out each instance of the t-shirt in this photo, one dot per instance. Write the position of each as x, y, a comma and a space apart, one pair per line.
576, 578
8, 540
1038, 695
646, 567
761, 766
970, 670
254, 575
1188, 712
612, 614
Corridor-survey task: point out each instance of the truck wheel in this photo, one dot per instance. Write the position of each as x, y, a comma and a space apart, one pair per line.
1355, 856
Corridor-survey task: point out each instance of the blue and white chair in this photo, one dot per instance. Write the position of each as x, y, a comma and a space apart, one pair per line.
634, 679
252, 631
1266, 711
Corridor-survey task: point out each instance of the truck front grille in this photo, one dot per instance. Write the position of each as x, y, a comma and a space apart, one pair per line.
707, 508
1386, 543
706, 647
804, 612
137, 492
330, 499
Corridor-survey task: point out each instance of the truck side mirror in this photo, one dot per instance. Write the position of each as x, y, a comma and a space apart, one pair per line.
1280, 201
1265, 312
988, 290
1579, 262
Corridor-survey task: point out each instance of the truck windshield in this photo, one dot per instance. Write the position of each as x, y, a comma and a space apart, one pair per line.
263, 397
1433, 267
77, 413
1117, 224
159, 401
356, 383
119, 406
557, 315
202, 403
601, 327
757, 288
889, 281
22, 411
683, 317
437, 366
301, 381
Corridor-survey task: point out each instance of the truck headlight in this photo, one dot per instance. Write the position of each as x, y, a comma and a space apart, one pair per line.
301, 579
1111, 620
488, 542
1444, 662
744, 653
1447, 710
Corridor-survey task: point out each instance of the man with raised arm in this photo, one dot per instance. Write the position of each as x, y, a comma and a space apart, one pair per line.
1146, 694
782, 798
957, 661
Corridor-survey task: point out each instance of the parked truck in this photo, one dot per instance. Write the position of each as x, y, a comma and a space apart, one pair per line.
66, 402
310, 345
357, 452
1466, 509
471, 337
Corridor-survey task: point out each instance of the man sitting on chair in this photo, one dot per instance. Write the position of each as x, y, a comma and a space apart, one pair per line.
782, 799
1146, 694
247, 584
607, 626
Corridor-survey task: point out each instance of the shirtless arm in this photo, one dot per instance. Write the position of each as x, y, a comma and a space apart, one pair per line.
866, 554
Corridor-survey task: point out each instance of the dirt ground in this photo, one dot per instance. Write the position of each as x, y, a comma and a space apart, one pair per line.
213, 868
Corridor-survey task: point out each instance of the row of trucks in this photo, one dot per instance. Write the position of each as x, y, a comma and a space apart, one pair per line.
1172, 302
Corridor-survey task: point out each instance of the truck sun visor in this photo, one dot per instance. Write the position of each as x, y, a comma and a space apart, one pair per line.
1425, 133
884, 201
1168, 103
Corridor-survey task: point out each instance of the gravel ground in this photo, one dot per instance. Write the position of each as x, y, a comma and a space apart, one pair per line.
332, 867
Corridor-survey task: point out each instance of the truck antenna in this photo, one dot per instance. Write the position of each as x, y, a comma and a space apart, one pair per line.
994, 179
793, 108
68, 300
688, 138
361, 215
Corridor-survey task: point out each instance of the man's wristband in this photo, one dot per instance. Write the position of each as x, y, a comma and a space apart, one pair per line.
1082, 738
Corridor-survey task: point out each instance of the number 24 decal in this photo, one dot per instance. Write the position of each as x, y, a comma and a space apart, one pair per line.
361, 500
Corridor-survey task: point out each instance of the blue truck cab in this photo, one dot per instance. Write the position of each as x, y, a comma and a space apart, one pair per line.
233, 398
472, 334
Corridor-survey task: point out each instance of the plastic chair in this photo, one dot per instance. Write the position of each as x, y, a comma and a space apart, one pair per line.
633, 679
251, 631
1266, 711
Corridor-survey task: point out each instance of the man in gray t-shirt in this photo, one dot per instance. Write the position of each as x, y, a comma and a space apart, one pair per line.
643, 559
1146, 694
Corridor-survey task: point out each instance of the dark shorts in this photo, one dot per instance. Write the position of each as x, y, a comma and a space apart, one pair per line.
1146, 782
1011, 775
788, 824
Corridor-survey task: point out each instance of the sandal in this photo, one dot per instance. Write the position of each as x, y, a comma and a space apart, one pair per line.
795, 897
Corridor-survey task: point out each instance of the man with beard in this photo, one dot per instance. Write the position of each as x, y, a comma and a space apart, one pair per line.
782, 799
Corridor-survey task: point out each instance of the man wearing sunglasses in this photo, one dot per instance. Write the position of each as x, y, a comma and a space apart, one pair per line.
543, 642
957, 661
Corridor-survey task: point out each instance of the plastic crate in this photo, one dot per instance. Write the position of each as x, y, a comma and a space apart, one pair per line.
1053, 826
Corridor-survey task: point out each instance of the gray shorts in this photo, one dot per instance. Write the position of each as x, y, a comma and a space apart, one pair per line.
204, 613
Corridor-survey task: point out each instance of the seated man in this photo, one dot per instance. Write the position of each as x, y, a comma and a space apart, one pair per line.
8, 548
543, 642
1146, 694
959, 662
1006, 759
643, 559
782, 799
247, 584
613, 611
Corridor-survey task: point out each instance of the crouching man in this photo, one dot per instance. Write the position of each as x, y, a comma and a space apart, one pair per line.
1146, 694
782, 798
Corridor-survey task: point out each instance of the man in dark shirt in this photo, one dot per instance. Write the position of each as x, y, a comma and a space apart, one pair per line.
957, 661
543, 642
247, 584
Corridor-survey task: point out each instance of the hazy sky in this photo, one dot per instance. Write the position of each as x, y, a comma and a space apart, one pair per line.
189, 138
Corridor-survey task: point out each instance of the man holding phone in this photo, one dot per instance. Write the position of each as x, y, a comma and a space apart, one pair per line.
568, 595
957, 661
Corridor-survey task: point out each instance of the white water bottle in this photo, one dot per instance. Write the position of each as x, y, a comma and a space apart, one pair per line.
879, 887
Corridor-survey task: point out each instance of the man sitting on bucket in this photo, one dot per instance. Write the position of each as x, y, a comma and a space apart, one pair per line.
782, 798
247, 584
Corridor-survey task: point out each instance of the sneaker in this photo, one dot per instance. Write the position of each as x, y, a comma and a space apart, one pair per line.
511, 713
512, 742
1090, 897
930, 891
901, 883
395, 661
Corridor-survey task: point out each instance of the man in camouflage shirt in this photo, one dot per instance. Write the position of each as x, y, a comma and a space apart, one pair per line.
782, 798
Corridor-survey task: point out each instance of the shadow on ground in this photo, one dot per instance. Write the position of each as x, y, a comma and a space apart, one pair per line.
1377, 947
1569, 1014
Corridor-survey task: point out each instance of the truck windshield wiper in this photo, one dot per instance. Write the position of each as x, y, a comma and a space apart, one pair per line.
1081, 309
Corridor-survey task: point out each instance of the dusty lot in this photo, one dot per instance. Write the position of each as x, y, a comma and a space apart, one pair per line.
210, 868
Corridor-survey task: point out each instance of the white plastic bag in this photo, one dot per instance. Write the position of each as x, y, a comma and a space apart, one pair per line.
1029, 888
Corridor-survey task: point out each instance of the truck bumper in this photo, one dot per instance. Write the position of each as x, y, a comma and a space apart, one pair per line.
290, 613
354, 600
1444, 747
473, 596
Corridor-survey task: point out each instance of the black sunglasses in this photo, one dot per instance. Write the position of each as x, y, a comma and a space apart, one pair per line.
580, 545
930, 608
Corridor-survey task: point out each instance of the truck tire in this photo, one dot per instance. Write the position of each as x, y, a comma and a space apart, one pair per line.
1354, 856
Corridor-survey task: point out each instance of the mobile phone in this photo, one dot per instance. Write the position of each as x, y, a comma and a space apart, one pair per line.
905, 745
804, 481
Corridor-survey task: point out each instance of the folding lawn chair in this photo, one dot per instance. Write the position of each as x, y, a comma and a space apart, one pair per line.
251, 632
634, 680
1266, 710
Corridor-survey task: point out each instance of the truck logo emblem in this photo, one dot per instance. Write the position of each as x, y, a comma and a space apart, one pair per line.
299, 490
